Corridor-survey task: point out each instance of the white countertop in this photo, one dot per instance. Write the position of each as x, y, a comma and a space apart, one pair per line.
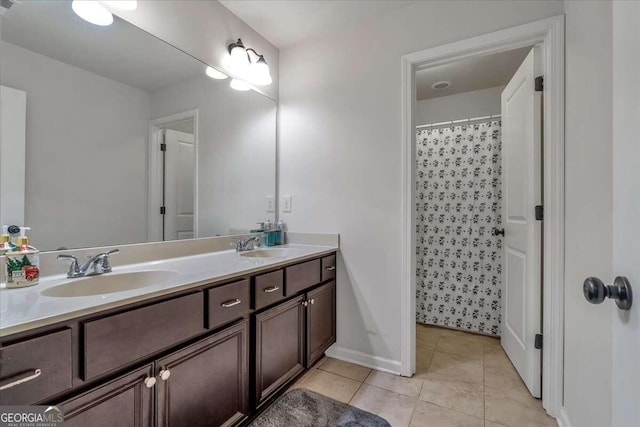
26, 308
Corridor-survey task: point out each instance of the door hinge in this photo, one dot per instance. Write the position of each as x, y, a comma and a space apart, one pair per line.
539, 83
163, 210
539, 213
538, 342
163, 147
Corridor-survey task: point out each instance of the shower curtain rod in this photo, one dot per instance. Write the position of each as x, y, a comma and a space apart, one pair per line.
454, 122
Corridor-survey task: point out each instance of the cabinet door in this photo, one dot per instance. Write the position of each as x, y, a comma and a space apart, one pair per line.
321, 321
279, 346
205, 384
125, 401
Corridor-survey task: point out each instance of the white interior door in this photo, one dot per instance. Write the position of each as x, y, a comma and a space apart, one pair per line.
521, 192
13, 119
179, 185
625, 379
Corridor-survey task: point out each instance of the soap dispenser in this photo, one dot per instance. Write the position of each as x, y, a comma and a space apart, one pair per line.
5, 240
22, 266
5, 246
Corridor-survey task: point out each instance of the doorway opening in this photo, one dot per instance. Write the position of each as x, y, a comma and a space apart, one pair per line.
173, 182
475, 128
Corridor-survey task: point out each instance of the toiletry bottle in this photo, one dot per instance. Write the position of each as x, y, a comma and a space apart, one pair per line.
280, 235
5, 246
22, 266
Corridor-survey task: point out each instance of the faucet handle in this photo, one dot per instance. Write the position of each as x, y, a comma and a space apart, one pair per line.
105, 264
74, 267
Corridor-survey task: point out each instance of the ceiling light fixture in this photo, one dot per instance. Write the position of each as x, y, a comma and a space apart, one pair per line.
215, 74
249, 65
239, 85
92, 11
441, 85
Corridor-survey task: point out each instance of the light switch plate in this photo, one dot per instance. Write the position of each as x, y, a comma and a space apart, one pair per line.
286, 203
270, 204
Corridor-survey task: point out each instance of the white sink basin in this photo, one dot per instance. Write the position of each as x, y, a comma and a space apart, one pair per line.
109, 283
268, 253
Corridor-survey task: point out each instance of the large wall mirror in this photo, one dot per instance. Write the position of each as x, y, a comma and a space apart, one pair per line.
86, 113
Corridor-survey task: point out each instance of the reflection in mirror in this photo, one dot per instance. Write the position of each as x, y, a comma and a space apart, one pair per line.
91, 111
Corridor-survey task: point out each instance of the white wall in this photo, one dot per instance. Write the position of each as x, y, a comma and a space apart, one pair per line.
477, 103
340, 149
626, 201
236, 150
588, 210
85, 170
203, 29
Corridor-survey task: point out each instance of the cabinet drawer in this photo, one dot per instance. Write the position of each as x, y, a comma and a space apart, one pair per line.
302, 276
329, 267
228, 303
267, 289
122, 339
42, 363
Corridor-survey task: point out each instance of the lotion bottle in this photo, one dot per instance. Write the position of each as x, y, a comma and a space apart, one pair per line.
22, 266
5, 246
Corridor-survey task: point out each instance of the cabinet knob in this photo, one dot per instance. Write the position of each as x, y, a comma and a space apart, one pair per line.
313, 301
165, 374
149, 382
305, 303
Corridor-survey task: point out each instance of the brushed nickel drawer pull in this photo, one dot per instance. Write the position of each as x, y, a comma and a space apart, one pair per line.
333, 267
231, 303
28, 378
271, 289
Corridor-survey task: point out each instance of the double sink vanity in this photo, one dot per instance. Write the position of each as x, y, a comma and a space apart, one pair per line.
206, 339
177, 329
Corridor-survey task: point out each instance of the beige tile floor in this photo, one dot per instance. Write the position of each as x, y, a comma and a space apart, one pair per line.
462, 380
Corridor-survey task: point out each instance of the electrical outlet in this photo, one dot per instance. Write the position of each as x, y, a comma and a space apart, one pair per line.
270, 204
286, 203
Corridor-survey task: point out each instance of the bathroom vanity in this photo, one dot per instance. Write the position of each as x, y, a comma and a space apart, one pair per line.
207, 349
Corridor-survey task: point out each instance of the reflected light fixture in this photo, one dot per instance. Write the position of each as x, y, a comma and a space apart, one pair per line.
239, 85
249, 65
92, 11
215, 74
95, 12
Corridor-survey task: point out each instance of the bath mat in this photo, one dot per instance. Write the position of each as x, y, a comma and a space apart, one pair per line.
303, 408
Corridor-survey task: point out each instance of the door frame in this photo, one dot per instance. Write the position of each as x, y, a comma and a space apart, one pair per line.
549, 33
154, 196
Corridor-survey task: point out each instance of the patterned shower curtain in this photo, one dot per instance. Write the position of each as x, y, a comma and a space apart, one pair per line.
458, 204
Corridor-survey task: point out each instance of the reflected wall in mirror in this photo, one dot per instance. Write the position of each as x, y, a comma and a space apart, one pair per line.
89, 107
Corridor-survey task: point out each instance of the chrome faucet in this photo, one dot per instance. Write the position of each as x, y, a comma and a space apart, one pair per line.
96, 264
243, 245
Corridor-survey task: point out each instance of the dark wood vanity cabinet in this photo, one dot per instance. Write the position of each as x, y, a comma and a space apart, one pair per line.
321, 321
208, 356
207, 383
293, 335
279, 346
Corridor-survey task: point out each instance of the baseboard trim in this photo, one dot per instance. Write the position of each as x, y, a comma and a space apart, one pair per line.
563, 419
364, 359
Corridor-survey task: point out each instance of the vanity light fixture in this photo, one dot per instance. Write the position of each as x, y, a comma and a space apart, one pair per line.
249, 64
215, 74
95, 12
239, 85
